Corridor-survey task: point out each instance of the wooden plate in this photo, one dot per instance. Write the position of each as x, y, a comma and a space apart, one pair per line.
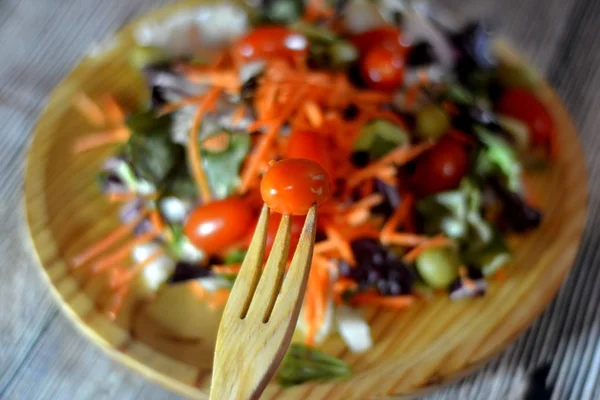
171, 338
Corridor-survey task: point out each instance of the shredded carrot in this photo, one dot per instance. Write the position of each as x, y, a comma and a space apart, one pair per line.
197, 289
113, 111
310, 311
314, 114
343, 246
325, 247
122, 252
223, 79
108, 241
267, 140
238, 115
371, 298
399, 216
114, 197
116, 302
437, 241
403, 239
90, 110
169, 108
226, 269
136, 269
217, 143
399, 156
157, 221
94, 140
218, 298
193, 152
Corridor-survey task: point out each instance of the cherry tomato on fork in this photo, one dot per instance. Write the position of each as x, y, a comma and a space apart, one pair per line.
219, 224
274, 220
441, 168
272, 41
293, 185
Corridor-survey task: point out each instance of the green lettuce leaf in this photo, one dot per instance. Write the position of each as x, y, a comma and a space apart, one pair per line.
456, 213
379, 137
223, 168
498, 156
152, 153
305, 364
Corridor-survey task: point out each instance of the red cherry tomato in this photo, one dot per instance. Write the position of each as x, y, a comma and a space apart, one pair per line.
269, 41
297, 225
524, 106
312, 146
382, 68
217, 225
293, 185
441, 168
388, 37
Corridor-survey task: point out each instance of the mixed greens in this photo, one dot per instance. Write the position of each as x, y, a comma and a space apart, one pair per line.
425, 134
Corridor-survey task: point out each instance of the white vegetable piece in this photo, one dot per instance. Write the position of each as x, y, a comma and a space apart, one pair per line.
354, 329
214, 283
192, 32
158, 271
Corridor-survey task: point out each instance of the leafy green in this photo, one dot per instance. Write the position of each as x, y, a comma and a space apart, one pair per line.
456, 213
222, 168
180, 184
152, 153
379, 137
280, 11
459, 94
235, 256
304, 364
498, 157
490, 256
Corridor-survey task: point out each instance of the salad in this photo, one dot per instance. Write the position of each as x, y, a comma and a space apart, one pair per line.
425, 135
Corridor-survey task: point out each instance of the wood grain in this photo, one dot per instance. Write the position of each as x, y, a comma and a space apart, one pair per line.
559, 39
262, 310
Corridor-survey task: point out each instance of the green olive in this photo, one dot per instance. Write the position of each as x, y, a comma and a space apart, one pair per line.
343, 53
432, 122
438, 266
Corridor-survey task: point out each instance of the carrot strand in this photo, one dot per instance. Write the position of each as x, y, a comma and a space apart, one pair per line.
94, 140
90, 110
122, 252
193, 152
108, 241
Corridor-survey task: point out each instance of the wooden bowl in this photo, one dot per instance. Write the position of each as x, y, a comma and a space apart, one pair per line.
170, 339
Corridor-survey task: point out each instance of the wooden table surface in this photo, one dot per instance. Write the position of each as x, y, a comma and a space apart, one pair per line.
43, 357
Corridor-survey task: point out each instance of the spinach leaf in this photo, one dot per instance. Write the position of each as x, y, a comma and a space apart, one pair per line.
222, 168
152, 153
498, 156
380, 137
304, 364
456, 213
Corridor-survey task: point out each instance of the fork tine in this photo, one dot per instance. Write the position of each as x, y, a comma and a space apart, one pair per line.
272, 276
248, 277
299, 270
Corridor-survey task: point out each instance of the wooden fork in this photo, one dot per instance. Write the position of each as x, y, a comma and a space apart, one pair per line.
262, 311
